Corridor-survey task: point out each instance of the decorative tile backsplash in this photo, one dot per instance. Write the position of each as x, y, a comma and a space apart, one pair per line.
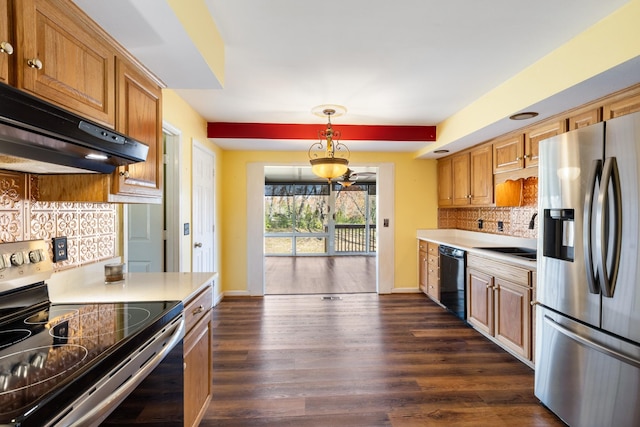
515, 220
90, 228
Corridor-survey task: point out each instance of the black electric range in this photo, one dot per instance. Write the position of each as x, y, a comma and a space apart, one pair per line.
66, 364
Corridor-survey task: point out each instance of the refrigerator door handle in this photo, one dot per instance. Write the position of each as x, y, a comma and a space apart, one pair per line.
592, 276
610, 175
591, 344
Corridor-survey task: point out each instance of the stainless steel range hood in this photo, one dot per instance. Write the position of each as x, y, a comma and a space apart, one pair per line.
38, 137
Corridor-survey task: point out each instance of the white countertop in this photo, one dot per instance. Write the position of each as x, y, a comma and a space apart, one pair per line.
470, 241
89, 286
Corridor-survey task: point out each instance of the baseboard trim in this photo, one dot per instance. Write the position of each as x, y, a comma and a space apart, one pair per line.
405, 290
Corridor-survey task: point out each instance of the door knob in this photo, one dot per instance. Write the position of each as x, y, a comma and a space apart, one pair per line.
197, 245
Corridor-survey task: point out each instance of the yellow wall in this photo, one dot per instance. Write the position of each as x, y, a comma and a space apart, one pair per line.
415, 207
180, 115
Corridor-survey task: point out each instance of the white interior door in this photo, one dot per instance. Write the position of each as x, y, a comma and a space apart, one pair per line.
145, 238
203, 226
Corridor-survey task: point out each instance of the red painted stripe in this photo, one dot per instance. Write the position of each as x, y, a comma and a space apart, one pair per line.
310, 131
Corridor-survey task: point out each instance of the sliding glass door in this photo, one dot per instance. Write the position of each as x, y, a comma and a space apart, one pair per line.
310, 219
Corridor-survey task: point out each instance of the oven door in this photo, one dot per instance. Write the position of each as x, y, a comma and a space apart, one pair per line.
95, 405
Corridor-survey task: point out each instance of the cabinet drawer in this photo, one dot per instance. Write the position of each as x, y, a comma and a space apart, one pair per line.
433, 260
423, 245
197, 307
433, 248
520, 276
434, 278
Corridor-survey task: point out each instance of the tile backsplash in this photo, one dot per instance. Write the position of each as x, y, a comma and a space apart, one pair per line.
90, 228
515, 219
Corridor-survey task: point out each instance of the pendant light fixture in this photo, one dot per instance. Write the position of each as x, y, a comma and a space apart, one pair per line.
333, 161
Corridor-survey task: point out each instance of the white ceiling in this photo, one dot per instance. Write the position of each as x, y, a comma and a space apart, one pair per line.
404, 62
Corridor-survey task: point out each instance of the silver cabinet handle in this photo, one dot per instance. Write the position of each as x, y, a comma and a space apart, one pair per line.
198, 310
125, 174
197, 245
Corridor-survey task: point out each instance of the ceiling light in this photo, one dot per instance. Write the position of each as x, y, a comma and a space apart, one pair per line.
524, 115
336, 155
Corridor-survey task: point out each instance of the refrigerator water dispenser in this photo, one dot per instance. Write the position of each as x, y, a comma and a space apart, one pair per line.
558, 239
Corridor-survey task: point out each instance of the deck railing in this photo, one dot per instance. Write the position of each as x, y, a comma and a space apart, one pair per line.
353, 238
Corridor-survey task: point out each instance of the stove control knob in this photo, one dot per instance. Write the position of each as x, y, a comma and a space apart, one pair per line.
36, 256
21, 370
17, 258
5, 380
38, 360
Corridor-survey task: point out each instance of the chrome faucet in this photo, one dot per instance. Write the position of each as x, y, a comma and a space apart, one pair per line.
532, 223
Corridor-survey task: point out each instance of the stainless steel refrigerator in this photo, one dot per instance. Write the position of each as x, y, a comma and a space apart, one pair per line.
588, 289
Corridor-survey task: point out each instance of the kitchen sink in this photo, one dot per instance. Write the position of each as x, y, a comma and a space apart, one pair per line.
519, 252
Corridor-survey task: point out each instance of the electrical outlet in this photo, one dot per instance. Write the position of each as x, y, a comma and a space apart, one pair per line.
500, 226
480, 224
60, 249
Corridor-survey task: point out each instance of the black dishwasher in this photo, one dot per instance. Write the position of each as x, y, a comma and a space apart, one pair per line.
453, 280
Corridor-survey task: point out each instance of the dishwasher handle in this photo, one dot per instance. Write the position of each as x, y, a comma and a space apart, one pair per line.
452, 252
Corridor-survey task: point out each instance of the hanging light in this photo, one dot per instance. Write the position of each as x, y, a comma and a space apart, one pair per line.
336, 155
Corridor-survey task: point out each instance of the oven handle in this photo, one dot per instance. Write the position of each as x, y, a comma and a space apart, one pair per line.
100, 411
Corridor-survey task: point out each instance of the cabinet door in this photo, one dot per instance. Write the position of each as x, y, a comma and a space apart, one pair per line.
445, 184
481, 176
513, 316
622, 107
534, 136
62, 59
480, 300
585, 118
139, 116
433, 277
6, 42
422, 269
197, 371
508, 154
460, 180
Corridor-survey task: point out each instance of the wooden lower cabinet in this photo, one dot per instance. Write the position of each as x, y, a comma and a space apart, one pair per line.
512, 326
480, 300
197, 356
422, 265
433, 271
499, 304
429, 269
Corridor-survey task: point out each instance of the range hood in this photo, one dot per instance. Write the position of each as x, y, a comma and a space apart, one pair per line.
39, 137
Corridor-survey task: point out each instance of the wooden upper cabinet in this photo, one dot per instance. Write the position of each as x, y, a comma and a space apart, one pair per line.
481, 182
583, 118
140, 117
466, 178
445, 183
537, 134
62, 58
460, 177
623, 105
7, 44
508, 153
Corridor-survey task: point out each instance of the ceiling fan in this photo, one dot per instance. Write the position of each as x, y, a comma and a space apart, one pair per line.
350, 177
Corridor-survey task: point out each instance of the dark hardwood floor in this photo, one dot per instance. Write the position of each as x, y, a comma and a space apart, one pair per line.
362, 360
319, 275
